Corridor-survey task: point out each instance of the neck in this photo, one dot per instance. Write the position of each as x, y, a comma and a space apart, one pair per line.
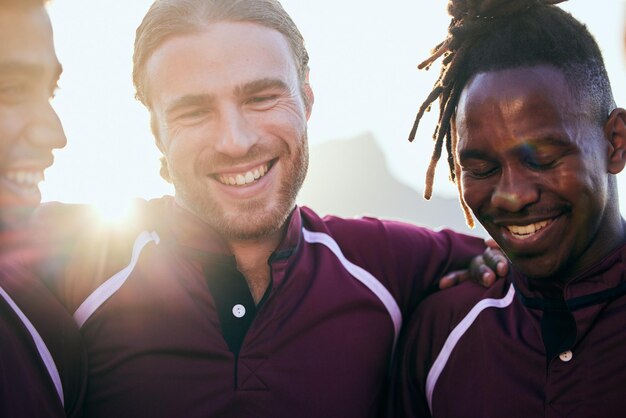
607, 239
252, 260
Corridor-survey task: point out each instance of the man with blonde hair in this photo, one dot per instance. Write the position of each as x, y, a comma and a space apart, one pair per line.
227, 299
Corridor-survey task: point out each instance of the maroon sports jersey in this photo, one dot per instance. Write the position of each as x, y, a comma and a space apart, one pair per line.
42, 364
171, 329
513, 351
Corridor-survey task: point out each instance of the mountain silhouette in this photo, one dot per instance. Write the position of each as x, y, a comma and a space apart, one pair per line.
351, 178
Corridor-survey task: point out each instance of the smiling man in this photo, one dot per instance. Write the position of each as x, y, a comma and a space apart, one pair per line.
527, 107
41, 360
228, 300
30, 129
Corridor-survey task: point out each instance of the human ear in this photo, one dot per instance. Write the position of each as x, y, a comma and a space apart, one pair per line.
615, 133
309, 97
155, 131
164, 170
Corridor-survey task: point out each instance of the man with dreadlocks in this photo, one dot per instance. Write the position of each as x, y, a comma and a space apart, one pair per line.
535, 142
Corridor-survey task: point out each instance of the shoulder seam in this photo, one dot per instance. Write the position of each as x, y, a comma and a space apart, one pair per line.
456, 334
113, 283
44, 353
362, 275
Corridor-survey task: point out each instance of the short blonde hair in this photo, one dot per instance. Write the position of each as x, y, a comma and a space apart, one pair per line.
166, 18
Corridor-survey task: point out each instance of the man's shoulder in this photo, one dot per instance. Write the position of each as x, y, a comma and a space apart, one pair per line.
449, 307
63, 218
368, 227
453, 311
366, 240
82, 231
408, 259
82, 250
58, 220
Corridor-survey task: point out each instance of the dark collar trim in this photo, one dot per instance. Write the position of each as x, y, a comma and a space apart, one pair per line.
574, 303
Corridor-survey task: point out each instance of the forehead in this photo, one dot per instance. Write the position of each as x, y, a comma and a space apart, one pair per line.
26, 37
525, 90
516, 103
224, 55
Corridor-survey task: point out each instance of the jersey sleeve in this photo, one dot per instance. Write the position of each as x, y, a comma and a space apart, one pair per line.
423, 256
408, 259
423, 341
79, 251
416, 350
42, 343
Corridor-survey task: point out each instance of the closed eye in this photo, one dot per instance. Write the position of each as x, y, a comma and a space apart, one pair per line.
541, 165
193, 116
481, 173
478, 168
539, 160
262, 102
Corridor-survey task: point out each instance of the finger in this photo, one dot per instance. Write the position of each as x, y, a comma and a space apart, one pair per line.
480, 272
488, 277
497, 261
503, 267
453, 278
491, 243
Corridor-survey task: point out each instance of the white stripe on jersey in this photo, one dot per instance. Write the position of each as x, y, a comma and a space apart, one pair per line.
112, 284
455, 336
44, 353
362, 275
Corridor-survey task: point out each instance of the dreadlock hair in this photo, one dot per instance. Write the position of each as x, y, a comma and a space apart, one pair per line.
492, 35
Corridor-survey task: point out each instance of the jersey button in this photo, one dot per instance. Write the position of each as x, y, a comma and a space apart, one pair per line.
566, 356
239, 311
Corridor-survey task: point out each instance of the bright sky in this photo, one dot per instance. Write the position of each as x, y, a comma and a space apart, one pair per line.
363, 72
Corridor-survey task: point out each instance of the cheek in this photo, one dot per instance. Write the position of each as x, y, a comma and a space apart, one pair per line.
288, 118
180, 157
475, 192
12, 124
182, 145
575, 183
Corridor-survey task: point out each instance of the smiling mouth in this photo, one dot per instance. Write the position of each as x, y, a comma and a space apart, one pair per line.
244, 178
526, 231
26, 180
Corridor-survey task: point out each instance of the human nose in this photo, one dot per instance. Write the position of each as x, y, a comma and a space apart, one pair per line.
514, 191
45, 130
236, 134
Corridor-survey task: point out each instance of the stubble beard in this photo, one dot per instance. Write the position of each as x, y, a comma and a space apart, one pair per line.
253, 219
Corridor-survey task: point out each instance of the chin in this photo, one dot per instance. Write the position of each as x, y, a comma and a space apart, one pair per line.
538, 269
15, 217
254, 228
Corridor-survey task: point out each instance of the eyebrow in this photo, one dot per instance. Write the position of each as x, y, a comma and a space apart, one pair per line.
257, 86
473, 154
549, 139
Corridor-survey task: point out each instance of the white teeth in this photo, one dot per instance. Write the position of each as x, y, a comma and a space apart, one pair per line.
24, 178
525, 231
242, 179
